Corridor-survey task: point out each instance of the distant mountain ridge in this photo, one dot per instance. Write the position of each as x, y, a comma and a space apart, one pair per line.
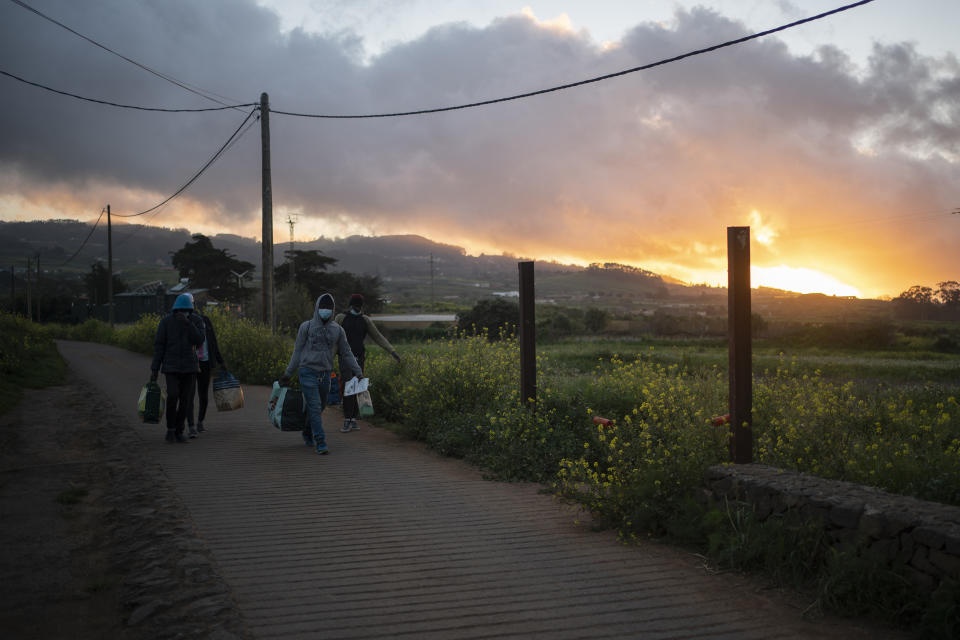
414, 270
395, 256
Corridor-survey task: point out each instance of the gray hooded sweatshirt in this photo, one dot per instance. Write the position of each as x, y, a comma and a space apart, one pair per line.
318, 342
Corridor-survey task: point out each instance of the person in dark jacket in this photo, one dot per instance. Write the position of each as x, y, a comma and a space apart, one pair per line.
175, 353
358, 326
207, 354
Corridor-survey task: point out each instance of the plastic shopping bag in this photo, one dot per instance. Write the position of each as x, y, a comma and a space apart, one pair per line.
365, 403
227, 392
151, 402
286, 409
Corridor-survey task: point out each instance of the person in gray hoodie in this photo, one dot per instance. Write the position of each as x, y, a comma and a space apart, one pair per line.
319, 340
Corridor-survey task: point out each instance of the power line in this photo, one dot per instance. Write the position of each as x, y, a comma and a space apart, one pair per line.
819, 230
159, 207
197, 174
608, 76
163, 76
117, 104
92, 229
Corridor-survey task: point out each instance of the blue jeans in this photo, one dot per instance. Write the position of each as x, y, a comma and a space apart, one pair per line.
316, 389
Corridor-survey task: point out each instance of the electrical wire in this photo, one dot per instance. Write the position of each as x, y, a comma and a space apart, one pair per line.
163, 76
197, 174
608, 76
85, 240
159, 208
821, 230
123, 106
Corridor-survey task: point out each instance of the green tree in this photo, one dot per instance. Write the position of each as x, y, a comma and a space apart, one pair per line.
210, 268
491, 315
294, 305
310, 273
916, 302
595, 319
96, 283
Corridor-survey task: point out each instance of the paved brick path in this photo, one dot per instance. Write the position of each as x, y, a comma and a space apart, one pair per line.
382, 538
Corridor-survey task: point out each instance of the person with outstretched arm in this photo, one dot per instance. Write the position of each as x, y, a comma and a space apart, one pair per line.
175, 353
358, 326
319, 339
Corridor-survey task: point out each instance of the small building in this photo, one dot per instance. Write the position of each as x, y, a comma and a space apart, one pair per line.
152, 297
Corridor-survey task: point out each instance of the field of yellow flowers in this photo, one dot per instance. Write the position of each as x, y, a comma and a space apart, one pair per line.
462, 397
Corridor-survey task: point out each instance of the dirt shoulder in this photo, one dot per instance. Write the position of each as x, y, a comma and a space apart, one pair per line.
93, 542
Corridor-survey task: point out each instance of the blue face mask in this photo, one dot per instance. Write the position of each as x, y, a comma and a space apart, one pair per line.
355, 311
325, 314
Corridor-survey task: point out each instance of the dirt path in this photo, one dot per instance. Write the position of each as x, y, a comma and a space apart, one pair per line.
93, 543
380, 538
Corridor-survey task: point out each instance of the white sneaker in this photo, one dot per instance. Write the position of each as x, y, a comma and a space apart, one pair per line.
353, 425
346, 426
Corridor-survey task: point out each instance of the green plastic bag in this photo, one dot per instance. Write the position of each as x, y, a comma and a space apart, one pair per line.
151, 402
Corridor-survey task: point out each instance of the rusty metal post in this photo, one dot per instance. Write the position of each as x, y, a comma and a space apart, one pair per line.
528, 339
738, 327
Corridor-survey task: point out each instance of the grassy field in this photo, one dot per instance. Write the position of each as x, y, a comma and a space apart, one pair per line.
894, 367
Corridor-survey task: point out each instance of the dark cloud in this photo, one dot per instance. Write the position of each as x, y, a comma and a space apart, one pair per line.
645, 165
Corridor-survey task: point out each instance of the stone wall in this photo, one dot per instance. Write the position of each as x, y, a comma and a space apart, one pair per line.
921, 538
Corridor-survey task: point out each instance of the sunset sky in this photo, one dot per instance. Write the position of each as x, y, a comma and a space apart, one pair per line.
838, 141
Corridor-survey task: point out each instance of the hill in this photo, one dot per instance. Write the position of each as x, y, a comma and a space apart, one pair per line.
414, 270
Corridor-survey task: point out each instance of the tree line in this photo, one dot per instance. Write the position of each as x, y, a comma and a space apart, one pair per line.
926, 303
300, 280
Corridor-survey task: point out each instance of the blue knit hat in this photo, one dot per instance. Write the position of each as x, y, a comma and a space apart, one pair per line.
183, 301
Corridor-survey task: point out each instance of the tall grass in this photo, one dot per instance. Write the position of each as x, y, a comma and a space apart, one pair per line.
28, 359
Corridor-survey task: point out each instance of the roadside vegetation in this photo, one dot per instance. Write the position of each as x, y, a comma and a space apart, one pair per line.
28, 359
887, 417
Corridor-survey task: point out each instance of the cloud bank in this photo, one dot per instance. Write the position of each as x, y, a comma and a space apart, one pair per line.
851, 170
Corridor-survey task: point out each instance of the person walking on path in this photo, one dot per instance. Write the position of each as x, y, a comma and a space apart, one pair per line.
319, 339
358, 326
175, 353
207, 353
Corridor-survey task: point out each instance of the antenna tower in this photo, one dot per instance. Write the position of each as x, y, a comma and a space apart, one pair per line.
291, 220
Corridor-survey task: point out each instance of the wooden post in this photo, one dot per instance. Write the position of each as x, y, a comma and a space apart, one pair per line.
109, 269
528, 339
38, 287
268, 316
29, 301
738, 327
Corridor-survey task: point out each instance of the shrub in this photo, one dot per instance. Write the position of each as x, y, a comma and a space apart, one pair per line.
250, 350
493, 317
140, 335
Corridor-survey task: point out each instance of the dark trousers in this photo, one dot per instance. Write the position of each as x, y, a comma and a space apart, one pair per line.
180, 389
350, 408
203, 393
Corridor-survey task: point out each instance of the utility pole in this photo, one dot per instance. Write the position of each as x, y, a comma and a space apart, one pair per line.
109, 269
268, 316
432, 307
291, 220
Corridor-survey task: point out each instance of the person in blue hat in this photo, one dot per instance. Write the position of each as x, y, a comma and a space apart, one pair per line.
175, 353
